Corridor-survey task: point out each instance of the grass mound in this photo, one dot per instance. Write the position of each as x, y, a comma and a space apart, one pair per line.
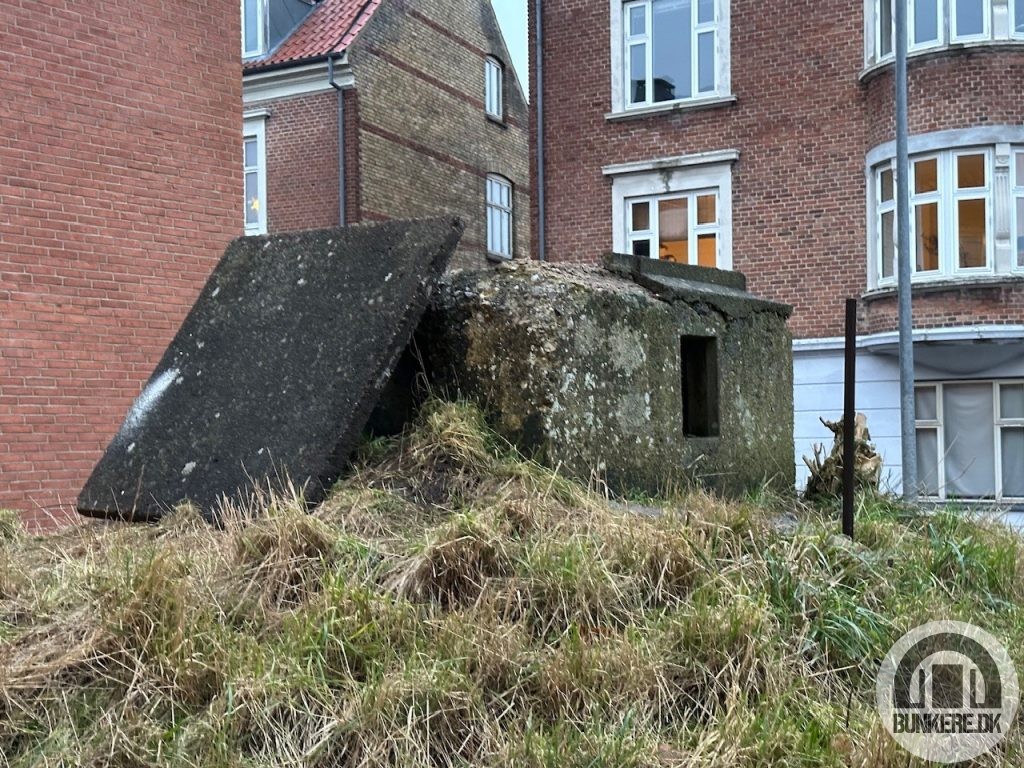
453, 605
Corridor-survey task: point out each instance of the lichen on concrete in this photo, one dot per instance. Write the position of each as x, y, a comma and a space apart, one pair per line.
581, 367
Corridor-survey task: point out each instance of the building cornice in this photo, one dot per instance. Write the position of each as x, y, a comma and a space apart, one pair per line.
669, 163
298, 80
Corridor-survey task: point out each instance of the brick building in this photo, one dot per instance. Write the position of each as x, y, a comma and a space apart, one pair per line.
760, 138
422, 101
118, 176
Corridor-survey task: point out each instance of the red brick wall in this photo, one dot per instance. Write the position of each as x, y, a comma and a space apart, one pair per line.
302, 162
803, 124
119, 150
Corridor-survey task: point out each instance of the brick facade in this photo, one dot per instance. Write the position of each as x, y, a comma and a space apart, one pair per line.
803, 122
417, 140
119, 145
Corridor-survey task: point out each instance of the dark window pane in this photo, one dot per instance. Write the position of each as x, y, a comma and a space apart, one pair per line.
888, 243
642, 248
888, 187
706, 62
673, 36
638, 73
1013, 462
641, 217
1011, 401
885, 28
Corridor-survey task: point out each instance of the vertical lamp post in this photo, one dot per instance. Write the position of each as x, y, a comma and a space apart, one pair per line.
906, 325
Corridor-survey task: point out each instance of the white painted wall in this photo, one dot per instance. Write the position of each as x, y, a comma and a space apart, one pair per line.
818, 392
818, 388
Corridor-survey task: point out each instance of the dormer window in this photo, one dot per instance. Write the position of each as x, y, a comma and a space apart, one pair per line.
494, 78
254, 28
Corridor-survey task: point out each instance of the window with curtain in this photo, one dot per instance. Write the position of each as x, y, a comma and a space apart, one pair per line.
254, 175
952, 199
970, 439
681, 227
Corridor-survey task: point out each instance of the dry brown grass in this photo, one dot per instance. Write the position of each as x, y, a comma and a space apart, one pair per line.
453, 605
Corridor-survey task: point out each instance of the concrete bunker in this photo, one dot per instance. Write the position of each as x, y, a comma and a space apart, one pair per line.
650, 374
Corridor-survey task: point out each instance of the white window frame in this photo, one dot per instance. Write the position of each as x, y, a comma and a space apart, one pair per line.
1016, 221
261, 30
255, 129
620, 60
500, 217
694, 229
947, 197
674, 177
999, 25
882, 208
986, 32
998, 423
494, 88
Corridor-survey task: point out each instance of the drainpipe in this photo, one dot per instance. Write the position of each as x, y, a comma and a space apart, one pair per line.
539, 101
341, 140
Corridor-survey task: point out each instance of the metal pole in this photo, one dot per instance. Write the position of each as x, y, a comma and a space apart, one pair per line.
538, 100
906, 324
850, 417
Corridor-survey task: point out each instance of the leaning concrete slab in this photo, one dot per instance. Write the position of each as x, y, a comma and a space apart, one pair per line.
275, 370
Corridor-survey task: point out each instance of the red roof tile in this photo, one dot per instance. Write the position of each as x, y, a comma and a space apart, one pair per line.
331, 28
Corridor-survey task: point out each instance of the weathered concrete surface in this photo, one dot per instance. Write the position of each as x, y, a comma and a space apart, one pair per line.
275, 370
582, 367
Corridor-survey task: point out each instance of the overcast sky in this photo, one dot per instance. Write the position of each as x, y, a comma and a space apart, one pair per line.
512, 17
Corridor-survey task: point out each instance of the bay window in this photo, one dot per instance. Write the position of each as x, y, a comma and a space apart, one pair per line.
970, 439
671, 50
952, 201
937, 23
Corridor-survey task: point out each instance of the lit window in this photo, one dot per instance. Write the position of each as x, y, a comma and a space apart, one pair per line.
254, 170
254, 27
499, 217
951, 202
681, 228
970, 439
494, 76
671, 50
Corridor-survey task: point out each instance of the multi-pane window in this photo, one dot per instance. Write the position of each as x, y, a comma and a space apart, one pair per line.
254, 27
499, 217
951, 202
970, 439
670, 50
1018, 209
683, 228
493, 88
255, 179
935, 23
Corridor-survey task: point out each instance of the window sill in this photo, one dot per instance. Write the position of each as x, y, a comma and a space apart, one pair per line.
946, 284
498, 121
670, 107
872, 71
497, 258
